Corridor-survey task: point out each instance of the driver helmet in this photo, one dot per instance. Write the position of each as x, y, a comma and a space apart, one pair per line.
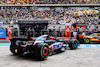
51, 37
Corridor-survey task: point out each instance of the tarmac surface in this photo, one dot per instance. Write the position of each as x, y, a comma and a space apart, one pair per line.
81, 57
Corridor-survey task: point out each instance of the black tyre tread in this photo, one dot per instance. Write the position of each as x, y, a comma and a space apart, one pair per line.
13, 47
71, 44
87, 38
37, 53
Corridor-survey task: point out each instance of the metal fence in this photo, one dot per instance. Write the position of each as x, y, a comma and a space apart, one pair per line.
24, 34
33, 33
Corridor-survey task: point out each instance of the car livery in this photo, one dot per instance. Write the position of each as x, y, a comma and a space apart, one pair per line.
55, 46
42, 46
93, 38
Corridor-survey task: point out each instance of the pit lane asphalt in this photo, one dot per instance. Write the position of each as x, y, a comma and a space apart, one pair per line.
82, 57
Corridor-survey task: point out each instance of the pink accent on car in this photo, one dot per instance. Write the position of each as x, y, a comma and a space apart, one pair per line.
56, 46
61, 43
51, 47
23, 45
45, 48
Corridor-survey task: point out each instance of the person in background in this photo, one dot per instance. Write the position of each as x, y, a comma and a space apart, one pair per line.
67, 32
32, 27
44, 31
80, 30
96, 30
75, 34
90, 30
9, 31
29, 28
59, 30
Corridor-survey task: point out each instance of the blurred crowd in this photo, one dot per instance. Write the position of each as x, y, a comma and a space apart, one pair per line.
49, 1
11, 15
74, 16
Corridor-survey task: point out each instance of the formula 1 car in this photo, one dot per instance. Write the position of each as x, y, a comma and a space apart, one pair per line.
42, 46
93, 38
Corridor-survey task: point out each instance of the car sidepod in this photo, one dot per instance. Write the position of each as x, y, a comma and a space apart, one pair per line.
56, 48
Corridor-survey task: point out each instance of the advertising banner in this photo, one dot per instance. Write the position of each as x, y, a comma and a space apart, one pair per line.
2, 33
1, 23
99, 19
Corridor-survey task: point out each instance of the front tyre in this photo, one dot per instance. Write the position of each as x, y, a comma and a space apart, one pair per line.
87, 40
73, 44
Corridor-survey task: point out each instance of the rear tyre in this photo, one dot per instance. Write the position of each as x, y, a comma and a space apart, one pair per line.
73, 44
42, 51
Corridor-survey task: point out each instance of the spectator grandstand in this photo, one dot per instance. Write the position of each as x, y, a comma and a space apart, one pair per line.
10, 15
49, 1
60, 14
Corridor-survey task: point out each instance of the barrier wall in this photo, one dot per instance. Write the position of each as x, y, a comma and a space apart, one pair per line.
2, 33
50, 26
